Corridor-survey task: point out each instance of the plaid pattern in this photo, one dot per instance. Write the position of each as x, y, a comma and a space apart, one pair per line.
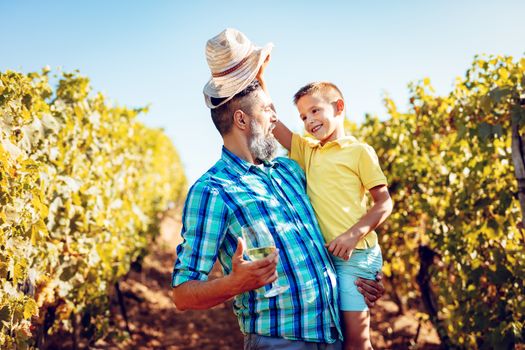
234, 193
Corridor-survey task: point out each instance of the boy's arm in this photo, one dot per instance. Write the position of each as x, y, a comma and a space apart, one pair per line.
281, 132
344, 244
283, 135
260, 75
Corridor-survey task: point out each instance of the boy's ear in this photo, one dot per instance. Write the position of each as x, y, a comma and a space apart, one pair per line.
239, 119
340, 106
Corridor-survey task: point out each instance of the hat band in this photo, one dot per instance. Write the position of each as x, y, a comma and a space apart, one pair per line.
232, 69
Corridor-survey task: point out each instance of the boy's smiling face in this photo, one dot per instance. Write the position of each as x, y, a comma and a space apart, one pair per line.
321, 118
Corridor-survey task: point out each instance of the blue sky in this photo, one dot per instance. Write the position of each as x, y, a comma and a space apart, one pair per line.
152, 52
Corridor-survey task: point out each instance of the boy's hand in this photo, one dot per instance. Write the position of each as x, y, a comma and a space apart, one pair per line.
260, 73
343, 246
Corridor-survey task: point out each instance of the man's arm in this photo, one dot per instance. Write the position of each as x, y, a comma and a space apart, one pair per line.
245, 276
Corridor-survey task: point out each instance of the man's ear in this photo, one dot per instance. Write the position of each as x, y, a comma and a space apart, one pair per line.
339, 106
240, 119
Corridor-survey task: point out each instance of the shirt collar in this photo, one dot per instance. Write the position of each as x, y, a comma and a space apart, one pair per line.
345, 140
240, 165
342, 142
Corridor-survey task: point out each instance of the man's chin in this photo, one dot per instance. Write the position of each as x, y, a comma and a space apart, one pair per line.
265, 148
270, 154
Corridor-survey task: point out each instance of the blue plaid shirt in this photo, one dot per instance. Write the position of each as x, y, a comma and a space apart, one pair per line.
234, 193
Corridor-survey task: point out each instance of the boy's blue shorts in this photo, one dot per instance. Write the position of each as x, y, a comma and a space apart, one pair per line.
365, 263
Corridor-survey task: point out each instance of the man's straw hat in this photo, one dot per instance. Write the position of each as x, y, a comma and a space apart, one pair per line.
234, 62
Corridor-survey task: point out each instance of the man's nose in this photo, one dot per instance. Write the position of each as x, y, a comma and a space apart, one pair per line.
273, 117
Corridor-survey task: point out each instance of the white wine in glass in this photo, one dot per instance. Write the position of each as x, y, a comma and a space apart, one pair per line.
260, 253
260, 244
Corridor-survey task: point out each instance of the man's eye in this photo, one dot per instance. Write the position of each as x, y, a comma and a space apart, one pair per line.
315, 110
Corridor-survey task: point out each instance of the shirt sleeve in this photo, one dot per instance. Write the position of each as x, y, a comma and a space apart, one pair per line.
370, 172
298, 150
204, 224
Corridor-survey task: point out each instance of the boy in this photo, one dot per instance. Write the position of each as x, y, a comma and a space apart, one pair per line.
339, 169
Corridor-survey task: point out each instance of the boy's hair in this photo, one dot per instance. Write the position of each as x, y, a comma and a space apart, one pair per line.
222, 116
323, 88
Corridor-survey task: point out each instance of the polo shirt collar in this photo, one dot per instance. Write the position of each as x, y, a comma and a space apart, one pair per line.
345, 140
342, 142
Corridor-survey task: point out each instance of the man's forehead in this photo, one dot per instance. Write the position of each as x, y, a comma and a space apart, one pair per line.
262, 98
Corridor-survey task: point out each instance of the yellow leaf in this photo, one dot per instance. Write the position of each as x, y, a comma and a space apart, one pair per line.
30, 309
387, 270
41, 208
19, 271
38, 231
504, 74
78, 111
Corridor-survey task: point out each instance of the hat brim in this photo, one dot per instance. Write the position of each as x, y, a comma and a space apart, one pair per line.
231, 84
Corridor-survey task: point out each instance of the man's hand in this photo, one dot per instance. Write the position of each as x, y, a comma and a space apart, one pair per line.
249, 275
245, 276
343, 245
371, 290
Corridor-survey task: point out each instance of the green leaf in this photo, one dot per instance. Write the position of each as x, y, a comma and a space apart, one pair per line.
68, 272
462, 130
497, 130
486, 104
5, 313
501, 276
515, 114
499, 93
484, 130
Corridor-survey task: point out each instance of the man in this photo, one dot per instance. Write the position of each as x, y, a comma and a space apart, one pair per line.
246, 185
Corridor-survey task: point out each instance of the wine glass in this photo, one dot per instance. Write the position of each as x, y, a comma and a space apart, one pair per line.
260, 244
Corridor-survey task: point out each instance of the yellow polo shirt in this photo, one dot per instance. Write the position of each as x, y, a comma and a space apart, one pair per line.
337, 175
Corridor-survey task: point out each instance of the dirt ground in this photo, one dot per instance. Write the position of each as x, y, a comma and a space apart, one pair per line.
155, 323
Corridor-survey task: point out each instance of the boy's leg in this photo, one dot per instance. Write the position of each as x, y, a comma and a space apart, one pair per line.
356, 316
357, 330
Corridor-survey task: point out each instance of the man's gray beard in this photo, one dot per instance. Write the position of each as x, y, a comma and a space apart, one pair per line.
261, 147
